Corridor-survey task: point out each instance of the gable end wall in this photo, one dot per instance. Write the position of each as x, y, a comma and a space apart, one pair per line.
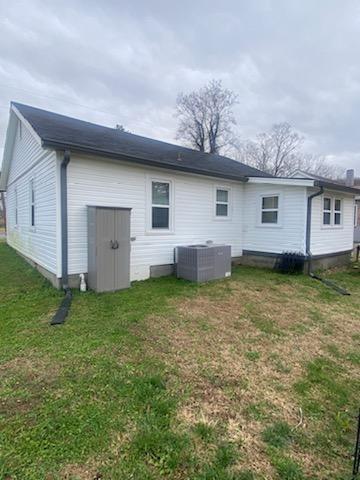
31, 162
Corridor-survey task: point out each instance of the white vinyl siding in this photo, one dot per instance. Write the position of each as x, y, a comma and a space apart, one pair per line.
30, 163
286, 235
103, 182
331, 238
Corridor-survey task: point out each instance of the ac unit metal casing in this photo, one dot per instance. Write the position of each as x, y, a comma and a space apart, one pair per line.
200, 263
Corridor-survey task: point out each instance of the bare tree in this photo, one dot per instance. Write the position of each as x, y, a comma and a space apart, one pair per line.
279, 152
318, 165
206, 117
275, 151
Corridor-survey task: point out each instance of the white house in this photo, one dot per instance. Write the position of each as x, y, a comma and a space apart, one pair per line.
54, 167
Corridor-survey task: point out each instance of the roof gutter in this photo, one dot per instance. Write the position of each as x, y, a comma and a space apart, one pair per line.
62, 312
308, 226
142, 161
336, 186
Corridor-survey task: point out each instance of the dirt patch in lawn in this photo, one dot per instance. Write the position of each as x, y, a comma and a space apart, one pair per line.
80, 472
239, 357
24, 380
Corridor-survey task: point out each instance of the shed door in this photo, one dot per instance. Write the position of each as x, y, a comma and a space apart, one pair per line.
113, 249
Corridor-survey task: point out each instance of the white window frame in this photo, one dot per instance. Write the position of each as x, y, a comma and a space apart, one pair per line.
356, 214
327, 211
278, 224
332, 212
228, 203
16, 208
160, 231
338, 211
32, 203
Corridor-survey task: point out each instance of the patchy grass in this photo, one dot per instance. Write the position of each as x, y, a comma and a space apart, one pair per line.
250, 378
278, 435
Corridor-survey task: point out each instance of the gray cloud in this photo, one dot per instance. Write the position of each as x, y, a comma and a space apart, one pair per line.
125, 62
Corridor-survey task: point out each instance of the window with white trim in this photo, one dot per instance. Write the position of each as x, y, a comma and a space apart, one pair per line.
160, 205
356, 215
222, 202
332, 212
337, 211
270, 209
327, 201
32, 203
16, 213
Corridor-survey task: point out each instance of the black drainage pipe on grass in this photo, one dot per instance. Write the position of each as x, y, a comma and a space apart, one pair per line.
63, 310
326, 282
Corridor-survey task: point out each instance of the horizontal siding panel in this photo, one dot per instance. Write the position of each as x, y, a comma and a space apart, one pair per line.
100, 182
334, 239
290, 235
30, 161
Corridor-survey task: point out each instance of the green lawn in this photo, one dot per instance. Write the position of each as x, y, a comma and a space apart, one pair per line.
253, 377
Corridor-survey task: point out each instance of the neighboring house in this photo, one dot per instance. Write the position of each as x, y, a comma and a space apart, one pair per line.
349, 181
54, 167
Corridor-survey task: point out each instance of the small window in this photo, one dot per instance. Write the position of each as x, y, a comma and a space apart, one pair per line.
356, 216
270, 209
327, 211
222, 202
160, 205
337, 211
16, 207
32, 203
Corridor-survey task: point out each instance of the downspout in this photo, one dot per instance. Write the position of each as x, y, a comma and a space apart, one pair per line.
63, 310
308, 227
64, 220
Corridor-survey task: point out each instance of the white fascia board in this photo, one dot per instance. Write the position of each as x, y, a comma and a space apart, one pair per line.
9, 145
14, 117
27, 124
296, 182
301, 174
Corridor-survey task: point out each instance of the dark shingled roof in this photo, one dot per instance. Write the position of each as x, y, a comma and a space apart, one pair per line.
61, 132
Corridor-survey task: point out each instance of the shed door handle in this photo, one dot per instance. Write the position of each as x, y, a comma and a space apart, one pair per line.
114, 244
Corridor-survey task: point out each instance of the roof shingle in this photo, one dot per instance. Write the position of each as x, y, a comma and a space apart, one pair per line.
62, 132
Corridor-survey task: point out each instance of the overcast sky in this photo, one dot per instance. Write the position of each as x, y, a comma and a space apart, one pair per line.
125, 62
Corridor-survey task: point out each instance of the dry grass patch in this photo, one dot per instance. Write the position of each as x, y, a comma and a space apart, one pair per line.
80, 472
23, 382
247, 347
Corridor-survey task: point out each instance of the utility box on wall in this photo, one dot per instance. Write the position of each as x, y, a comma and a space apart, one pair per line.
108, 248
200, 263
